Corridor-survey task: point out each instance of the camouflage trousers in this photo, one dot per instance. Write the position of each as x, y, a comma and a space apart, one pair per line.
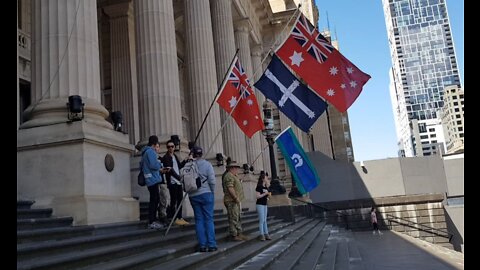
164, 202
233, 213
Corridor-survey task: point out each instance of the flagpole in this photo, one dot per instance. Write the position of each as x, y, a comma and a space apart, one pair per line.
261, 152
221, 128
215, 98
274, 44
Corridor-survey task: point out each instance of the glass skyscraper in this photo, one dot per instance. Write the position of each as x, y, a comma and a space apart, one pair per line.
423, 63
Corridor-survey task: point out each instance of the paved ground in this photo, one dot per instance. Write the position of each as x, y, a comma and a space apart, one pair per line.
392, 251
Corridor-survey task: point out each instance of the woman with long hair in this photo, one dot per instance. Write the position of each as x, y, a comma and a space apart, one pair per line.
263, 194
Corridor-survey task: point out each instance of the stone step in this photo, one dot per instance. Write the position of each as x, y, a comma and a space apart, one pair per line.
286, 252
231, 253
38, 223
24, 204
34, 213
329, 253
171, 251
354, 257
82, 252
311, 256
107, 235
53, 234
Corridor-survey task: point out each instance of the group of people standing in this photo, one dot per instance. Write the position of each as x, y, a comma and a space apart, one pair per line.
162, 180
169, 188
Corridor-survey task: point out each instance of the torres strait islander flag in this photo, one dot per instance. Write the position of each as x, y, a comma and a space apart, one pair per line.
236, 95
311, 56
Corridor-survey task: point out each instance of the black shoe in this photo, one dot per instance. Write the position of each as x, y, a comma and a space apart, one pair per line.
202, 249
210, 249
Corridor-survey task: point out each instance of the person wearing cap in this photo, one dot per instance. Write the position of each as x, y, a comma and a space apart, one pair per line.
233, 195
202, 201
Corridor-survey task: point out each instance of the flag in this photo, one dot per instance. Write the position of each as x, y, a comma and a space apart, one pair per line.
292, 98
312, 58
236, 95
302, 170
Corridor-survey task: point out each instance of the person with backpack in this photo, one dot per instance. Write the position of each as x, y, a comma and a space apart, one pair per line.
201, 197
151, 168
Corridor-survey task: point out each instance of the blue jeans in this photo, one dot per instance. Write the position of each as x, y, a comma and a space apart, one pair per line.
203, 210
262, 218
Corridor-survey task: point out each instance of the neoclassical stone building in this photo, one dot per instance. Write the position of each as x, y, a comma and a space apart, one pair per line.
158, 62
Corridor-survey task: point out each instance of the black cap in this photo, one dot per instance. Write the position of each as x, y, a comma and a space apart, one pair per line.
197, 151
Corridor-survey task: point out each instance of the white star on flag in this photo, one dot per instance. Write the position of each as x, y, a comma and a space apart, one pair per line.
353, 84
232, 102
296, 58
343, 86
350, 70
333, 71
330, 92
249, 102
245, 122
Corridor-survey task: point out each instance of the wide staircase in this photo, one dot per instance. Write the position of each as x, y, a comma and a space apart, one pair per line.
48, 242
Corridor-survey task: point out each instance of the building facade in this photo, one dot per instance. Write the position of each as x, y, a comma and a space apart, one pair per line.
338, 123
453, 119
423, 63
159, 63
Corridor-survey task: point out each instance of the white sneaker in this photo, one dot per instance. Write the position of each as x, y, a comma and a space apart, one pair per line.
380, 233
373, 232
155, 225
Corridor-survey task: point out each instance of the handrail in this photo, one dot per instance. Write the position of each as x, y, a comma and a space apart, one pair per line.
344, 216
449, 235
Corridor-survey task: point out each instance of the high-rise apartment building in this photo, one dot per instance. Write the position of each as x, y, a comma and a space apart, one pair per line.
453, 119
423, 64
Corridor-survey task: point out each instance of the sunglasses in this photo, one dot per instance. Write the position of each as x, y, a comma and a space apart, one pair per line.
170, 146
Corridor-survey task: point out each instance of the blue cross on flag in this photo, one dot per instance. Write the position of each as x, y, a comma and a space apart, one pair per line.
294, 99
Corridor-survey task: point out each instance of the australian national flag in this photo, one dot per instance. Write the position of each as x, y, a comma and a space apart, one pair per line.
294, 99
299, 164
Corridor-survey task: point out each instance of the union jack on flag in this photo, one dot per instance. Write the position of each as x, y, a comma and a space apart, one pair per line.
237, 98
311, 40
322, 67
240, 81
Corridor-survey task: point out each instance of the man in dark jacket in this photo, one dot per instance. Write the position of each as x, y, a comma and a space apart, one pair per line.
173, 183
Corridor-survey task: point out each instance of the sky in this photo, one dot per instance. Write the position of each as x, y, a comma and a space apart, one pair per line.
362, 36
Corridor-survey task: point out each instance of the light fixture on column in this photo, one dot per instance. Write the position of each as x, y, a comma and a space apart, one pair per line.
75, 107
245, 168
176, 141
219, 159
117, 119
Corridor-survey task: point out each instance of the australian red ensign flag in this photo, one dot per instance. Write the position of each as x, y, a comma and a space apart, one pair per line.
312, 57
237, 95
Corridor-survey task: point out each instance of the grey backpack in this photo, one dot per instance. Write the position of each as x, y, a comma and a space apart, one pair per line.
190, 177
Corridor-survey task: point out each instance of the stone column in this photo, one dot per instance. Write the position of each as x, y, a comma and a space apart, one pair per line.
65, 62
124, 68
224, 44
158, 83
242, 29
257, 64
79, 168
201, 75
18, 83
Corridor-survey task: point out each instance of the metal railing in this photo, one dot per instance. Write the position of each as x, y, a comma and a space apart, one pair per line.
342, 215
420, 227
